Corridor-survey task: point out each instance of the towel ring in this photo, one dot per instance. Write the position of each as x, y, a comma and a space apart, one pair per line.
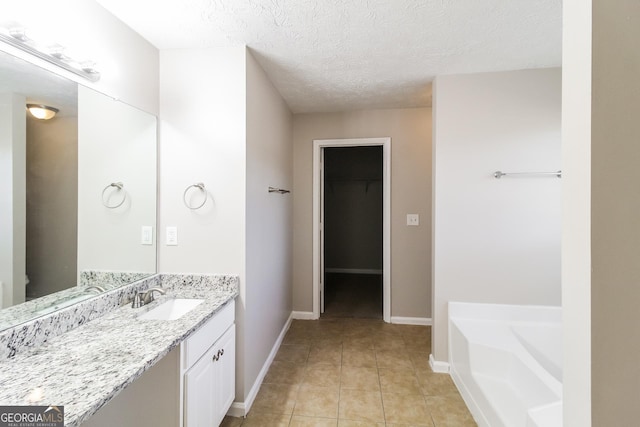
184, 196
119, 186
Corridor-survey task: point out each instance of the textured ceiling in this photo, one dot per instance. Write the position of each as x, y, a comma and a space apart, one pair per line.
337, 55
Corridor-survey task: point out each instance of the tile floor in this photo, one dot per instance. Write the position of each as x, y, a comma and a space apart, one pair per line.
353, 373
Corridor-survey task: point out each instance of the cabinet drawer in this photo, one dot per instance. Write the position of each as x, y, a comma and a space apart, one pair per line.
198, 343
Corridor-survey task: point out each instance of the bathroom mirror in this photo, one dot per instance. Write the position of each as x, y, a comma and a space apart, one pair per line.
77, 193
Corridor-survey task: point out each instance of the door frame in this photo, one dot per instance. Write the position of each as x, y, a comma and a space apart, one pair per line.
318, 145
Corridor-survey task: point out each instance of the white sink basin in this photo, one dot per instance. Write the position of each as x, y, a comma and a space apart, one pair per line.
172, 309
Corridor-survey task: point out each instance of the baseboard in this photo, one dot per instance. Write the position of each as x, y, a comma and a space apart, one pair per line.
241, 409
439, 367
353, 270
422, 321
303, 315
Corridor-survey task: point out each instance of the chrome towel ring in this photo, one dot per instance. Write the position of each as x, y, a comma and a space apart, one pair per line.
199, 185
120, 187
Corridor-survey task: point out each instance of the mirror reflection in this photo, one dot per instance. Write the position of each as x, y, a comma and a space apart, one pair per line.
77, 192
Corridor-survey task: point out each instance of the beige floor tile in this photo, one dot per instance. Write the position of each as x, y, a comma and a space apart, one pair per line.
406, 409
359, 378
352, 423
415, 330
298, 337
430, 424
285, 373
364, 342
327, 353
317, 402
231, 422
362, 358
393, 359
399, 381
322, 376
275, 399
294, 353
390, 344
420, 360
433, 384
266, 420
297, 421
361, 405
449, 411
417, 346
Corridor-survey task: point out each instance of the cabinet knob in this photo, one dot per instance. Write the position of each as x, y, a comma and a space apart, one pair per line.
216, 357
222, 352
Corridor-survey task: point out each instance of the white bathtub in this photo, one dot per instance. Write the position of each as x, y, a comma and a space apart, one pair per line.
506, 360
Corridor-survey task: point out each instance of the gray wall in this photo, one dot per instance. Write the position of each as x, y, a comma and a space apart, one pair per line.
52, 204
615, 210
495, 241
410, 132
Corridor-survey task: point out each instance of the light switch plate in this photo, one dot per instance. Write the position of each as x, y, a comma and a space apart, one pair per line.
413, 219
172, 236
147, 235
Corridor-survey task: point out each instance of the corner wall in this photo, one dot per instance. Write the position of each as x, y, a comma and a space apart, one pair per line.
202, 139
576, 213
495, 241
225, 125
410, 132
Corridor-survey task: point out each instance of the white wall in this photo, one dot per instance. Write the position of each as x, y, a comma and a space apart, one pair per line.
495, 241
268, 219
116, 143
13, 130
128, 63
576, 212
202, 139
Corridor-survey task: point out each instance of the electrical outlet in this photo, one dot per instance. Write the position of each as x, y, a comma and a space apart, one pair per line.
413, 219
147, 235
172, 236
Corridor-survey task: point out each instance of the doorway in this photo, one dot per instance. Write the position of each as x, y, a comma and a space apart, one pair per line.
352, 219
351, 222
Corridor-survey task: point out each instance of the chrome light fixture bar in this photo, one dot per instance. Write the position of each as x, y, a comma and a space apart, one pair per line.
55, 55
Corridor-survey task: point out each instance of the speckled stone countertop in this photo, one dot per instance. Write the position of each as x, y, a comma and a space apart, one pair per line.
86, 367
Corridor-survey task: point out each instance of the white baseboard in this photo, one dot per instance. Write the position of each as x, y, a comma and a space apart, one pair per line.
439, 367
353, 270
303, 315
241, 409
422, 321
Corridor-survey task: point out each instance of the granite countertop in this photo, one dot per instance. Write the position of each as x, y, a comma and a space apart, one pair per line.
86, 367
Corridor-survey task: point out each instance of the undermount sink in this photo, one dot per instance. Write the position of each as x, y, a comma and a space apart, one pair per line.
172, 309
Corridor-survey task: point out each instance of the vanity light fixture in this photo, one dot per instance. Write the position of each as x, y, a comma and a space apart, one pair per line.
53, 54
42, 112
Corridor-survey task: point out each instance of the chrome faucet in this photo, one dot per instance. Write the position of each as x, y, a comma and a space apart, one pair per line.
142, 298
98, 288
147, 297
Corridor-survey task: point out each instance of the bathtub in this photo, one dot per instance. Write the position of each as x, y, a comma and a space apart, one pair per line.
506, 361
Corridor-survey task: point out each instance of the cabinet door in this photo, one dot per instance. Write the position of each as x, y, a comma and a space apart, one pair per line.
200, 390
225, 374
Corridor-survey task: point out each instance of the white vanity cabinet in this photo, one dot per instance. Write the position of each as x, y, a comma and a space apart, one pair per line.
208, 371
192, 386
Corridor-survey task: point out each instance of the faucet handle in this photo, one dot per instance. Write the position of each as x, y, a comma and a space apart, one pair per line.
136, 302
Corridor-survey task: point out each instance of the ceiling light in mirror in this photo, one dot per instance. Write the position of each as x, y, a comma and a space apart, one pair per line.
42, 112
